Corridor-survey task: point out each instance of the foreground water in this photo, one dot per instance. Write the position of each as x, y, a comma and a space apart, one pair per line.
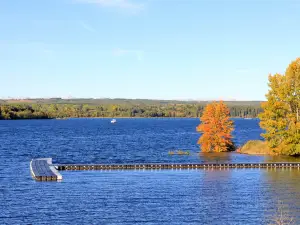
234, 196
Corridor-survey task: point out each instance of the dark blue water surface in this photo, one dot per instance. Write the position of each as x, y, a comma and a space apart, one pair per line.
228, 196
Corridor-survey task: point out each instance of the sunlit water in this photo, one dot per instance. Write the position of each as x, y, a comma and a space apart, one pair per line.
231, 196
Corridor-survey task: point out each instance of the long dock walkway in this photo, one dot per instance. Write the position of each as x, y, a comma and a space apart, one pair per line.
40, 170
174, 166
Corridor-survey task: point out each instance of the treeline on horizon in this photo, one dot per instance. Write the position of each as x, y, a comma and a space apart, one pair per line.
124, 108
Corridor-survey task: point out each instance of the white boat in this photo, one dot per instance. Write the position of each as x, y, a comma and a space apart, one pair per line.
113, 121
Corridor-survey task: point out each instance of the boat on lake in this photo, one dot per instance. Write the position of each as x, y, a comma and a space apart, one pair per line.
113, 121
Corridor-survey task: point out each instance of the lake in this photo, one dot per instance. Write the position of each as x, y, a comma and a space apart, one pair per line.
226, 196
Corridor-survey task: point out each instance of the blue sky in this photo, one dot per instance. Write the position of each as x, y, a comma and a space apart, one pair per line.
158, 49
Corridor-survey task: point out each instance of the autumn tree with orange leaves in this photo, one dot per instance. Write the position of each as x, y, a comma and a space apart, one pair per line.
216, 128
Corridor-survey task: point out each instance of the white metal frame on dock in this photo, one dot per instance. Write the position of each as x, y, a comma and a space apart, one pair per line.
43, 170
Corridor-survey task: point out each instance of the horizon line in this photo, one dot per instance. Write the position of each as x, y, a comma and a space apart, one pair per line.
119, 98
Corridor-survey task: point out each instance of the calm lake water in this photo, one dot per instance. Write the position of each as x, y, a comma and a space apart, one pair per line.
227, 196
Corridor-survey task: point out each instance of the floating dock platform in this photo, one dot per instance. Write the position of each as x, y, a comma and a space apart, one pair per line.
44, 170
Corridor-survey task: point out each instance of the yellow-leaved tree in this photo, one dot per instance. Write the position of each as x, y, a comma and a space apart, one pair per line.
281, 116
216, 128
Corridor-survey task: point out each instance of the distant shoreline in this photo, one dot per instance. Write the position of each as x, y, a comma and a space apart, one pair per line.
143, 118
66, 118
142, 109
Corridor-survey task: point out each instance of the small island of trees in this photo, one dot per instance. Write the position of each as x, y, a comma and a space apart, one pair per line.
281, 115
280, 119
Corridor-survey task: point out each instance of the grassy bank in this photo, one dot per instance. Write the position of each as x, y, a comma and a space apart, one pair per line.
255, 147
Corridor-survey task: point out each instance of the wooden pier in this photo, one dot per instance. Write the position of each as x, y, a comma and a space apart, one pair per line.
43, 170
147, 166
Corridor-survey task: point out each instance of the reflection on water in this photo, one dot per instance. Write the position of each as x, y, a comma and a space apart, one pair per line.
281, 159
229, 157
216, 157
285, 186
230, 196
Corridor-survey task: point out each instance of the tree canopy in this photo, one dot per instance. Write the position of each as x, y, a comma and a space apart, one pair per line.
216, 128
281, 116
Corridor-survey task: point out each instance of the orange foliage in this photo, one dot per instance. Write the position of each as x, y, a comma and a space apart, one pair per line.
216, 128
